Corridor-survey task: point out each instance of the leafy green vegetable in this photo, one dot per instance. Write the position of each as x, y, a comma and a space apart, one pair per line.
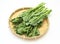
33, 11
28, 21
17, 20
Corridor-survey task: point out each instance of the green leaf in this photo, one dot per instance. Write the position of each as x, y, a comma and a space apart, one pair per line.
17, 20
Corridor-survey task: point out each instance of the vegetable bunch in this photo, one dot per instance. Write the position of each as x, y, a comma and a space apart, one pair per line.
27, 22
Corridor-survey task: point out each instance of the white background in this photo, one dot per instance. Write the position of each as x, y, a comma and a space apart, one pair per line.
9, 6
